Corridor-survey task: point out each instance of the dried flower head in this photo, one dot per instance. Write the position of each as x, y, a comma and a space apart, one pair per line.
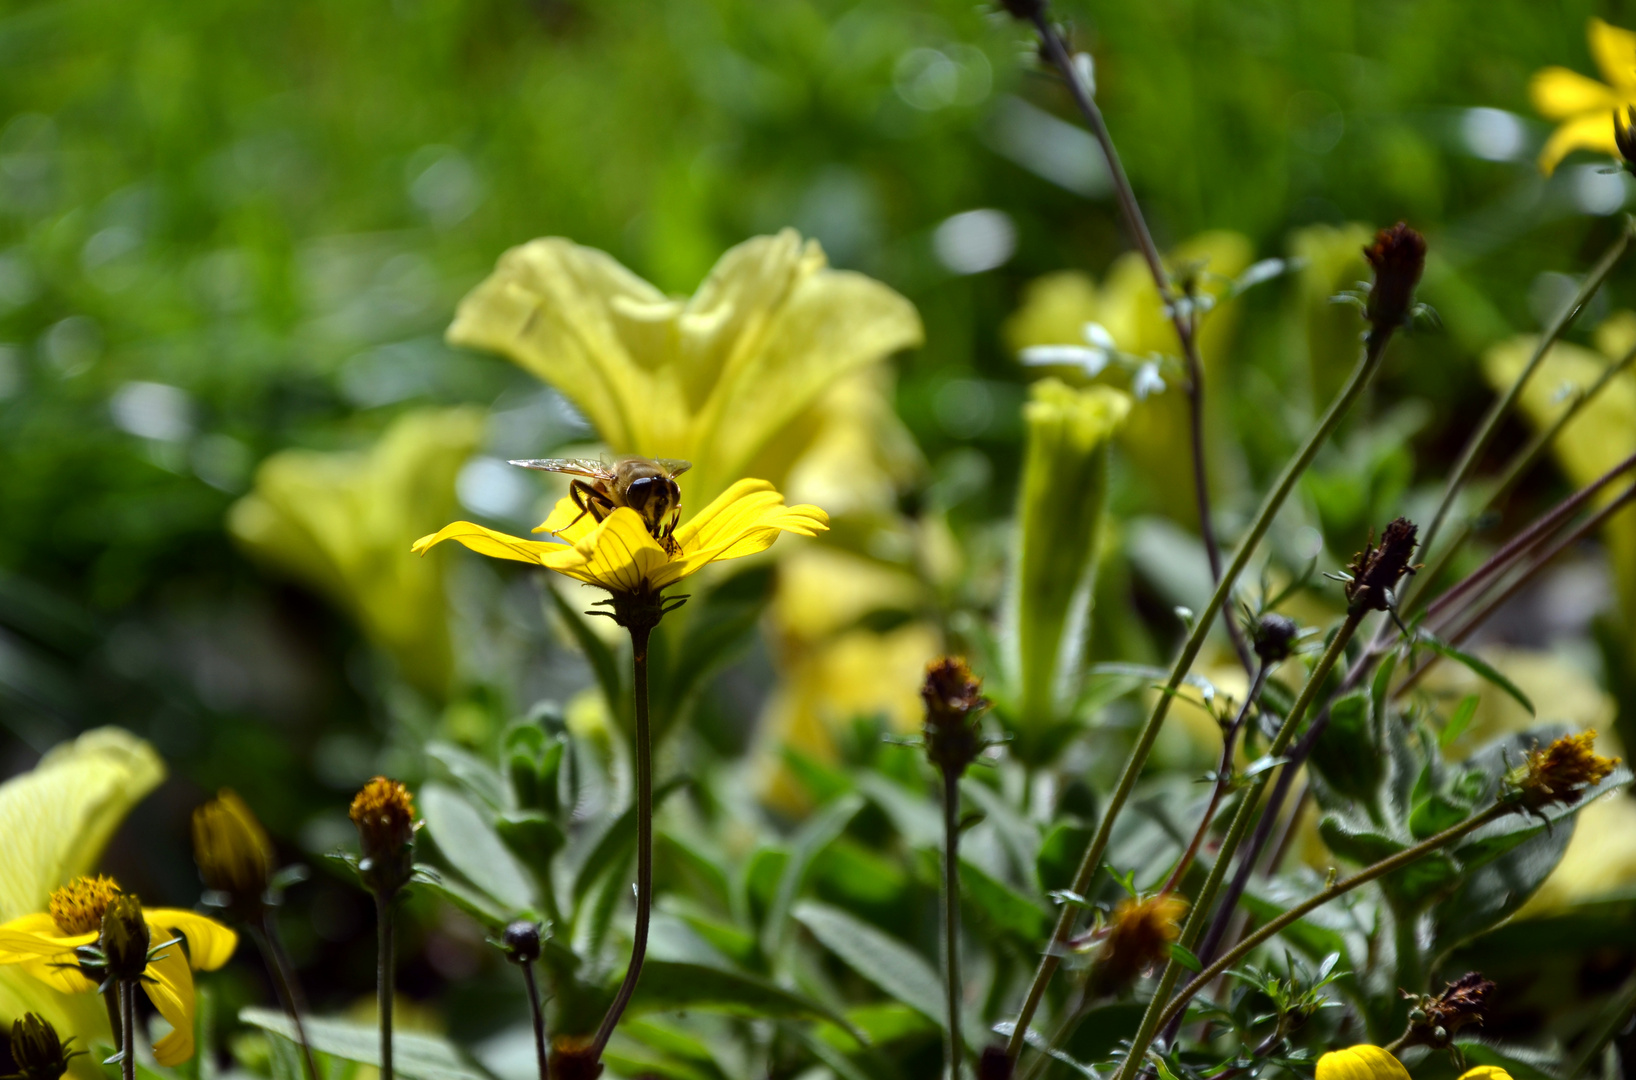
39, 1052
994, 1063
954, 699
1398, 256
1138, 936
1435, 1020
384, 813
233, 851
1376, 570
1274, 636
125, 938
77, 907
1560, 772
574, 1058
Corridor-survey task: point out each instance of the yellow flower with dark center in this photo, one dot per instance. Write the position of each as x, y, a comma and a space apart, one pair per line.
618, 553
1585, 106
233, 851
1561, 772
43, 946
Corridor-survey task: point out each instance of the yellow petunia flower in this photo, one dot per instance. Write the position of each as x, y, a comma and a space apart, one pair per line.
1585, 106
618, 554
43, 943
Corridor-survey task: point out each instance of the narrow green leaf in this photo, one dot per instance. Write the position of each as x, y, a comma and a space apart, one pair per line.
618, 841
468, 841
885, 961
415, 1055
1185, 957
667, 985
813, 837
1458, 721
1480, 667
1001, 907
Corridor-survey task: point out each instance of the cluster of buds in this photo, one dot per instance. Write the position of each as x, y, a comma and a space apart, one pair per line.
1435, 1020
1374, 572
954, 702
1398, 256
1558, 774
1136, 938
38, 1051
234, 855
384, 813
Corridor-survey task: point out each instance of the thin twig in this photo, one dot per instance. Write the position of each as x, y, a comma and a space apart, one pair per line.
951, 914
537, 1015
385, 976
127, 1008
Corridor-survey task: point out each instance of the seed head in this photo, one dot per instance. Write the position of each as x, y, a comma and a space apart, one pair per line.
125, 938
954, 699
77, 907
1398, 256
1139, 936
1377, 569
1274, 637
40, 1054
384, 813
233, 851
1560, 773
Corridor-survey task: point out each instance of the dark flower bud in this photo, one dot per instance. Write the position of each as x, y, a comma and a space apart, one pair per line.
1376, 570
1024, 9
574, 1058
1398, 255
233, 851
1560, 772
125, 938
954, 698
1274, 636
39, 1053
1624, 137
994, 1063
522, 942
384, 813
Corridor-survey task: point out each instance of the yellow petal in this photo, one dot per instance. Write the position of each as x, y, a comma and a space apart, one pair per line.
1558, 93
43, 952
1590, 131
169, 985
567, 522
57, 817
1054, 311
209, 943
1363, 1062
486, 541
1485, 1072
1614, 50
618, 555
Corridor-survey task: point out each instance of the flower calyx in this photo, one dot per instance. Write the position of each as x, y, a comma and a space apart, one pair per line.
384, 813
1398, 257
954, 702
1435, 1020
234, 855
1558, 774
1373, 574
39, 1052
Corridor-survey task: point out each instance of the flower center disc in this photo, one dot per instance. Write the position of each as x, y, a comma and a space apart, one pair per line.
77, 907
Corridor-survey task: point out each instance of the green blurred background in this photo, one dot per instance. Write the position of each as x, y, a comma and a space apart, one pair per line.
230, 227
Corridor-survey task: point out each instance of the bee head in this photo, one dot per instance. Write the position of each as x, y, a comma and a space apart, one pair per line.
655, 498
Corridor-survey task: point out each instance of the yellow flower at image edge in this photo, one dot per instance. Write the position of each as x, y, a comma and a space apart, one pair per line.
43, 944
619, 555
1585, 106
1365, 1062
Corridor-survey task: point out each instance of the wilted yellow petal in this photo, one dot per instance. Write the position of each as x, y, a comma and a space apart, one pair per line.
169, 985
1363, 1062
1614, 50
209, 943
1589, 131
1559, 93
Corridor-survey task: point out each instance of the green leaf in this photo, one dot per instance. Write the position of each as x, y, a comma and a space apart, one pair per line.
478, 777
717, 627
627, 1059
667, 985
415, 1055
1481, 668
1357, 842
1019, 835
885, 961
1001, 907
468, 841
533, 838
601, 658
1380, 687
1185, 957
617, 842
1346, 754
815, 834
1458, 721
915, 819
1061, 853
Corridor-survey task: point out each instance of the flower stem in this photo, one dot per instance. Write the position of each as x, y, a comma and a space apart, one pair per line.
127, 1024
1181, 318
644, 837
951, 914
385, 971
265, 933
1368, 364
537, 1015
1247, 810
1306, 907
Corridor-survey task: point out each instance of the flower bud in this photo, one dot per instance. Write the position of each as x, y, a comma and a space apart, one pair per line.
1023, 9
954, 699
994, 1063
1139, 936
1059, 522
1274, 636
384, 813
574, 1058
1376, 570
1398, 256
233, 851
39, 1053
1560, 773
125, 938
522, 942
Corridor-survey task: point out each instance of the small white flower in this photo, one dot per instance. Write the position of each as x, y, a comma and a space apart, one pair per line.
1097, 336
1147, 381
1089, 360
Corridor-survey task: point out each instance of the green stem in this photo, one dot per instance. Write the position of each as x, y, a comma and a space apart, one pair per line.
385, 976
644, 837
116, 1027
1308, 906
127, 1042
1199, 916
289, 995
1491, 420
538, 1016
1368, 364
1618, 1013
1409, 971
951, 914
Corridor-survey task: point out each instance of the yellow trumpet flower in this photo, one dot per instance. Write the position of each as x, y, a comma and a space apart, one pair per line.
618, 553
1585, 106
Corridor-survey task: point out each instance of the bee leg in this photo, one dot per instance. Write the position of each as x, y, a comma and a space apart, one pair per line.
670, 531
588, 499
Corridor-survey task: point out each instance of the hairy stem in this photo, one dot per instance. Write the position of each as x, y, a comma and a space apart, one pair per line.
265, 933
385, 976
951, 914
538, 1016
644, 838
1306, 907
127, 1026
1368, 364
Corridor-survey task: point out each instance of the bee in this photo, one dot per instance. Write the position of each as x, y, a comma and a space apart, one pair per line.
646, 485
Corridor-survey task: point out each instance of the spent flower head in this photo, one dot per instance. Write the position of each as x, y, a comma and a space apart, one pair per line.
39, 1052
384, 813
1375, 571
233, 852
1398, 256
1559, 773
1435, 1020
954, 700
1138, 936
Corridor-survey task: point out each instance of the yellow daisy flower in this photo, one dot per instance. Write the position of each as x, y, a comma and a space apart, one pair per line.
43, 944
1366, 1062
619, 554
1585, 106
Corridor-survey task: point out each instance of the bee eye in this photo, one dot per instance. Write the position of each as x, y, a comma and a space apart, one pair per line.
640, 493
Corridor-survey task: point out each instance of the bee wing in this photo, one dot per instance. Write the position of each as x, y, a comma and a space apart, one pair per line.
596, 470
673, 466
